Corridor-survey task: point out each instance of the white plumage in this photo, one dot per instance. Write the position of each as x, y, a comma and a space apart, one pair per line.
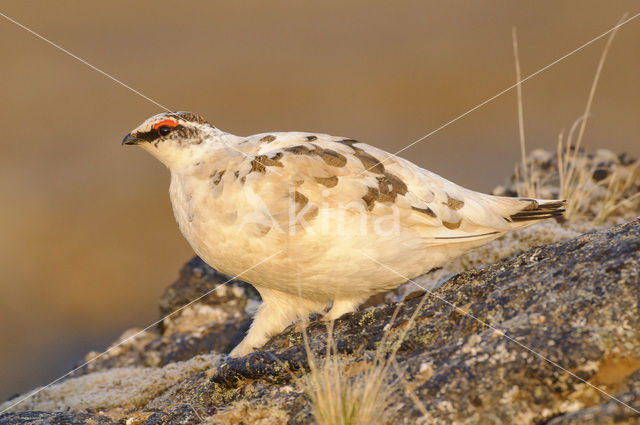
321, 207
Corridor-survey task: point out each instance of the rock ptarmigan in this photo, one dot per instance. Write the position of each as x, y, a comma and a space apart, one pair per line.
337, 219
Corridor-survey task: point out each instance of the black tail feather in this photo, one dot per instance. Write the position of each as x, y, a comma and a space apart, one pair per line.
536, 210
536, 215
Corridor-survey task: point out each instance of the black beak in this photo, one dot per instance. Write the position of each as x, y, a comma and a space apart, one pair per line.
130, 140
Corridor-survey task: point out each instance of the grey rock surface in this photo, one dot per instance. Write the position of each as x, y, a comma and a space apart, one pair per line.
54, 418
218, 321
575, 303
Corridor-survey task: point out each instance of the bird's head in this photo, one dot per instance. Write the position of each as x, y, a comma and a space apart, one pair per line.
171, 136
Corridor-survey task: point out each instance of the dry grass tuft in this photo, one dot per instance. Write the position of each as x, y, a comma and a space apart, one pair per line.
341, 399
573, 178
575, 171
355, 393
617, 188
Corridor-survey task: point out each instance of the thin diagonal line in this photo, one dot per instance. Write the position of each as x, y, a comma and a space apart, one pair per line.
501, 333
83, 61
504, 91
137, 333
115, 80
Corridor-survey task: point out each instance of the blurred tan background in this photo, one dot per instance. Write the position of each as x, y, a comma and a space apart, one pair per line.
88, 241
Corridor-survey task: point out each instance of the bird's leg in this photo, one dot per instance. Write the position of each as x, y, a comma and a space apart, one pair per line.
276, 312
341, 307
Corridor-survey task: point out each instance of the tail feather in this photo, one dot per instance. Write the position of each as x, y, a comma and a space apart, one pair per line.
538, 209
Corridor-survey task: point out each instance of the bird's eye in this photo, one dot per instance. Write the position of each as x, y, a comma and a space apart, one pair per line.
164, 127
164, 130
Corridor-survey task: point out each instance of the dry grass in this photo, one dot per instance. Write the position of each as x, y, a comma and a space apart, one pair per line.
574, 171
355, 393
573, 177
526, 186
616, 193
341, 399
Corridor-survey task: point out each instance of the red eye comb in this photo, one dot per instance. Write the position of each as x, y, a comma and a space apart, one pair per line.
170, 123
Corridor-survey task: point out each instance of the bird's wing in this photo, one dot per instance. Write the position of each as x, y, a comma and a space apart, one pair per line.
323, 170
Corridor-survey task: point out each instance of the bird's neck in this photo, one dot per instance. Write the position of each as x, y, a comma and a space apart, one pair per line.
203, 159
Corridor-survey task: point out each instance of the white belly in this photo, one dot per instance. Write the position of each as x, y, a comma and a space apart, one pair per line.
328, 259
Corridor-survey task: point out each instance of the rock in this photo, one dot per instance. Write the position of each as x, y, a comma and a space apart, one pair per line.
575, 303
197, 278
57, 418
214, 322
